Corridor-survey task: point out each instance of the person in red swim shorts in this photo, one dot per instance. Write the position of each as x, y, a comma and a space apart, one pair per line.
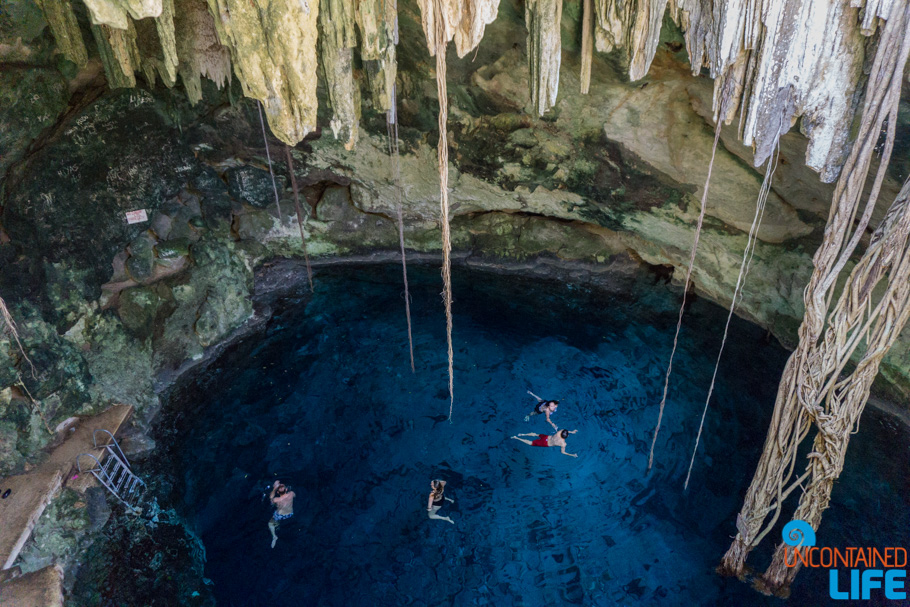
555, 440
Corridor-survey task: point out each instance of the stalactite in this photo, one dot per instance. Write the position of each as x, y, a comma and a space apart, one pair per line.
273, 48
167, 37
378, 24
155, 39
62, 21
336, 19
116, 13
800, 58
804, 381
542, 18
587, 45
199, 51
119, 54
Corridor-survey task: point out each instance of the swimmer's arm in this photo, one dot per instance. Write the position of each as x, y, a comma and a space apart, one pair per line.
272, 494
430, 502
569, 454
540, 400
555, 427
449, 499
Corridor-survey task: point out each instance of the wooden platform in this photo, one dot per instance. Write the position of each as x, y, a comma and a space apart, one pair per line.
42, 588
30, 493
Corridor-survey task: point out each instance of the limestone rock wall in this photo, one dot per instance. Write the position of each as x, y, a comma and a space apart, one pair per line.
110, 310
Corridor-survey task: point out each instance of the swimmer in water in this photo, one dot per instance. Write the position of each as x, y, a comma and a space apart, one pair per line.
436, 501
543, 407
556, 440
284, 507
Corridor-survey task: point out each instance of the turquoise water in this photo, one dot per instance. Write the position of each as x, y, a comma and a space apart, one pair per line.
324, 399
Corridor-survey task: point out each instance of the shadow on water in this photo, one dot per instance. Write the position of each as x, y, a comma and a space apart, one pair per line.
325, 401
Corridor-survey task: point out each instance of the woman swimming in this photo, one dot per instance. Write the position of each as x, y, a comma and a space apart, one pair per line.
436, 501
543, 407
555, 440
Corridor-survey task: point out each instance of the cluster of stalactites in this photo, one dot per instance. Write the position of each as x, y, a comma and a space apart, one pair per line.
789, 59
271, 46
157, 38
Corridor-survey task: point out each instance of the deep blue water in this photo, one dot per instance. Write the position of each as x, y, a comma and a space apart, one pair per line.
325, 400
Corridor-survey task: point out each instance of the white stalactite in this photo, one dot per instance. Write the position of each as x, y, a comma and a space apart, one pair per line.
543, 18
339, 37
273, 48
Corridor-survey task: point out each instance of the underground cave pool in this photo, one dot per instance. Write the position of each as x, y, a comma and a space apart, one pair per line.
323, 398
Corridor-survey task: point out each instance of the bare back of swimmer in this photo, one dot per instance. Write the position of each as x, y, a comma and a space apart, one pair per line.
554, 440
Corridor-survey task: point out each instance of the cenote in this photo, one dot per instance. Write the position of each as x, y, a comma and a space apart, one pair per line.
323, 399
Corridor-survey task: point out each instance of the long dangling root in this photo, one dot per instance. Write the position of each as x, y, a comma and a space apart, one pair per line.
392, 131
14, 331
35, 406
306, 256
737, 292
722, 109
682, 307
443, 153
268, 155
811, 391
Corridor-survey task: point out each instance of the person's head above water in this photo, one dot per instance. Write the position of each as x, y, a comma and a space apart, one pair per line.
564, 434
281, 490
547, 405
438, 486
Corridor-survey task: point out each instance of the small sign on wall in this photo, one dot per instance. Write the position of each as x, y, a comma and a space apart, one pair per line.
136, 216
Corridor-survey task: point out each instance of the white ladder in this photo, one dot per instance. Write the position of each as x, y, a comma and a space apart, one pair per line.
115, 473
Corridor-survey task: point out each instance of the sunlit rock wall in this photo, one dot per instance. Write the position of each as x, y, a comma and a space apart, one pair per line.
110, 311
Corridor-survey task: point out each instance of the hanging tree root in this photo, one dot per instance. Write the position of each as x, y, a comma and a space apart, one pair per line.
859, 320
392, 132
443, 154
268, 155
14, 333
728, 87
810, 377
306, 256
737, 291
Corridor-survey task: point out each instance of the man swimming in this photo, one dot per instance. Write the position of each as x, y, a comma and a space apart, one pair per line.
556, 440
543, 407
284, 507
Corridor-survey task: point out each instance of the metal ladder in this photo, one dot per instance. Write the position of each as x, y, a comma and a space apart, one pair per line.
115, 473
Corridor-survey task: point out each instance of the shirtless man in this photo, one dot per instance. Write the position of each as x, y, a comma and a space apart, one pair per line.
556, 440
284, 507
